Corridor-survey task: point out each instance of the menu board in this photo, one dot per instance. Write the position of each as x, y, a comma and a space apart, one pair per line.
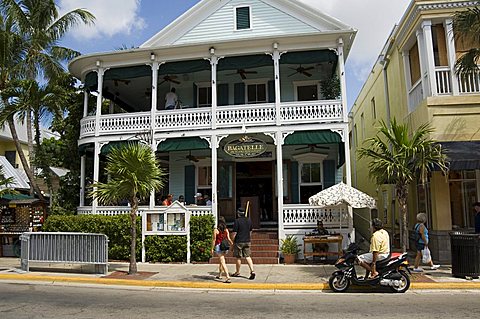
7, 216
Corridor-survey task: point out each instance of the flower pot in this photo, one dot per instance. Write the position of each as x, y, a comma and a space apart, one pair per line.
289, 258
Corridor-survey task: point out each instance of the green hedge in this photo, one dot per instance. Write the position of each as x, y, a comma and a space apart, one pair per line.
157, 248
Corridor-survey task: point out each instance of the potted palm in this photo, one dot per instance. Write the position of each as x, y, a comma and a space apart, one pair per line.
289, 249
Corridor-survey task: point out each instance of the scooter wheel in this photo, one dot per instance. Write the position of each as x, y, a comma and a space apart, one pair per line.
338, 282
404, 283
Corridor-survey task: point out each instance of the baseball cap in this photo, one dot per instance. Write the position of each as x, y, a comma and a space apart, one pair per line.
198, 195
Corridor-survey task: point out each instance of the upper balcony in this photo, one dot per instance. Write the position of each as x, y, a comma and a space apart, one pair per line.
303, 112
275, 89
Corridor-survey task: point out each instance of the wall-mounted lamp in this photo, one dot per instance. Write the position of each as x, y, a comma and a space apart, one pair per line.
98, 63
152, 56
212, 50
275, 45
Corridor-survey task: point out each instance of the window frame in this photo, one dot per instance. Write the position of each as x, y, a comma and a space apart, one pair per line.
204, 85
256, 82
235, 23
296, 84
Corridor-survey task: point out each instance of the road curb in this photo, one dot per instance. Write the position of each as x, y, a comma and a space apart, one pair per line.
219, 285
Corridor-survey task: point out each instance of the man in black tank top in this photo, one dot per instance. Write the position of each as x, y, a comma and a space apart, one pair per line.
242, 228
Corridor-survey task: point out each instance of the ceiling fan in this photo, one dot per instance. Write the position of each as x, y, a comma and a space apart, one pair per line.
126, 82
169, 78
243, 73
302, 70
312, 147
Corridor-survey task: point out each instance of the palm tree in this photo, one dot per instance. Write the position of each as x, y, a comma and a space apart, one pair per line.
467, 30
40, 27
398, 158
134, 173
5, 184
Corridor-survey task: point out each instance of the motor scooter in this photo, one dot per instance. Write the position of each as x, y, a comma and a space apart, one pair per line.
393, 272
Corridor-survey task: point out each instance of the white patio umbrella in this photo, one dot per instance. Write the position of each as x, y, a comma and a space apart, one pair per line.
342, 194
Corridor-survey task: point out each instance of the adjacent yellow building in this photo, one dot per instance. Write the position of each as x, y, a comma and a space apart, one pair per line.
414, 80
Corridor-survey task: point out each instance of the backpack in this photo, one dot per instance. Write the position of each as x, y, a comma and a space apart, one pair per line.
224, 244
417, 233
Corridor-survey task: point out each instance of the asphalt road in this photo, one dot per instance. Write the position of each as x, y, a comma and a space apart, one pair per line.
19, 301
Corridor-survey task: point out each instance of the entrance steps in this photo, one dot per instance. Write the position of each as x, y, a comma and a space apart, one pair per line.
264, 248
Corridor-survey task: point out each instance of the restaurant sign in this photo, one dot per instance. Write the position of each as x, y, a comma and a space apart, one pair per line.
244, 147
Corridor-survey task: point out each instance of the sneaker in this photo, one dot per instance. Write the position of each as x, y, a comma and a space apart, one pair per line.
417, 269
252, 276
435, 267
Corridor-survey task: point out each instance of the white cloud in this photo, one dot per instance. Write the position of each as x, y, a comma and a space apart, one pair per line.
374, 20
112, 17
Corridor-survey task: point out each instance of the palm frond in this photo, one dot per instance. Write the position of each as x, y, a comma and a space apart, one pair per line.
70, 19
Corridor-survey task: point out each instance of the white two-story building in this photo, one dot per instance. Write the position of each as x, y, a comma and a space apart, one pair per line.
262, 113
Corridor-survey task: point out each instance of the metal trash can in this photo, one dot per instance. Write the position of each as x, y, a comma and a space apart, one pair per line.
465, 254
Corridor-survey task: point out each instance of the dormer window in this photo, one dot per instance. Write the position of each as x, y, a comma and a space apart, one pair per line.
242, 18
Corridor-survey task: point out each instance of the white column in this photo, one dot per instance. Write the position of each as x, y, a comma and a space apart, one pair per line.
214, 145
348, 168
430, 59
85, 103
276, 67
83, 160
343, 81
153, 109
423, 63
279, 143
214, 63
451, 51
96, 171
100, 73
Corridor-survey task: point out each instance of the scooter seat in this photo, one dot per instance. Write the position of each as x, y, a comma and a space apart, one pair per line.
382, 263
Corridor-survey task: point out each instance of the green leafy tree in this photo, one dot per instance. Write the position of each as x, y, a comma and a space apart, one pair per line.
134, 173
467, 30
398, 157
38, 27
5, 183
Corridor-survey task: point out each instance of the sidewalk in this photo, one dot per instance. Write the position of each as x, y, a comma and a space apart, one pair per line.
268, 277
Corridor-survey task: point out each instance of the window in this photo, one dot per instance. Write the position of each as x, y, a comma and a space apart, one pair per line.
463, 193
355, 134
362, 123
307, 93
310, 180
256, 93
374, 108
204, 97
11, 156
439, 45
242, 18
414, 64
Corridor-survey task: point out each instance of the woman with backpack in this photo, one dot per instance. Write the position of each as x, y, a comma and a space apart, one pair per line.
421, 242
221, 245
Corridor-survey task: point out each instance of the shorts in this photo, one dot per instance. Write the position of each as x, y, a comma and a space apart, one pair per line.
419, 246
241, 250
170, 107
368, 257
218, 251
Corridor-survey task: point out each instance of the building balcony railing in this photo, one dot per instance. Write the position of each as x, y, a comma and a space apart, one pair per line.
226, 117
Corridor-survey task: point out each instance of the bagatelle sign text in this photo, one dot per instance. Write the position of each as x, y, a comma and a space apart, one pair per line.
245, 147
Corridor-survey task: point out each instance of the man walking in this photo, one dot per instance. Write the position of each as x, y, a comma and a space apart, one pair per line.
476, 206
242, 228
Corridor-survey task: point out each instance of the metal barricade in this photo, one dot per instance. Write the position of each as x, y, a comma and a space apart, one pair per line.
68, 248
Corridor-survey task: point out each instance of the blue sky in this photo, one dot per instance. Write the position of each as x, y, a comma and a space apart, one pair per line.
132, 22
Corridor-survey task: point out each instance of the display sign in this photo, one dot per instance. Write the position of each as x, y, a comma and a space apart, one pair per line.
245, 147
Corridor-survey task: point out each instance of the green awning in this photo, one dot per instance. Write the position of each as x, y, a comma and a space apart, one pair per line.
84, 148
309, 57
16, 197
116, 144
183, 144
244, 62
318, 137
313, 137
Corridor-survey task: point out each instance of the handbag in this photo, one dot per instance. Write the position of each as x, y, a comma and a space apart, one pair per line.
426, 256
224, 245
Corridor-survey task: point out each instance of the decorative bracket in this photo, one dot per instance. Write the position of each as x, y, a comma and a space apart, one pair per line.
284, 136
208, 139
273, 135
340, 132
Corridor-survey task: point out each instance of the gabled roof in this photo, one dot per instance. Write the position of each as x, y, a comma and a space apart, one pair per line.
19, 178
316, 20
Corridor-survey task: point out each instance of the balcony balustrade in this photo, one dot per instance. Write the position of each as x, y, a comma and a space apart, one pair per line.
226, 117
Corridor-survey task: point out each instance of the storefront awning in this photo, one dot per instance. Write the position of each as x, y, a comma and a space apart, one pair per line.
318, 137
462, 155
111, 145
183, 144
